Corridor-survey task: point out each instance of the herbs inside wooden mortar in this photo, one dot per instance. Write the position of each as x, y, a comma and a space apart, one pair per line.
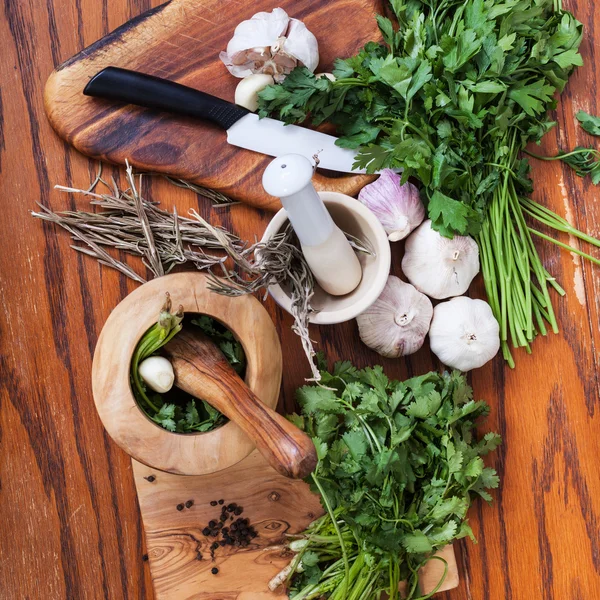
179, 412
163, 240
452, 97
399, 465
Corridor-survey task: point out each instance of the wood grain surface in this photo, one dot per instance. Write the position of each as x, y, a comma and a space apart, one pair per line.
181, 40
70, 525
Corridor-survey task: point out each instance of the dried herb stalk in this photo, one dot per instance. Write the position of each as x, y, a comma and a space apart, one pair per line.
130, 223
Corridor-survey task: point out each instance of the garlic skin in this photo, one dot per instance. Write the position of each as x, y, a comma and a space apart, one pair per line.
329, 76
464, 333
246, 92
437, 266
157, 373
397, 322
270, 43
398, 207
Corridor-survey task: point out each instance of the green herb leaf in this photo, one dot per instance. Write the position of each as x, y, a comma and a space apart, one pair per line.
589, 122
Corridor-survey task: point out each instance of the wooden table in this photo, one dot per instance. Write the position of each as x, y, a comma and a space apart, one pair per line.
69, 524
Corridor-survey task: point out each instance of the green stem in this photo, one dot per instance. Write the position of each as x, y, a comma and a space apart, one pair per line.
337, 529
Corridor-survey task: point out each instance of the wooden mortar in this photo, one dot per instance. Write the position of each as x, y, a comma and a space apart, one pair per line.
141, 438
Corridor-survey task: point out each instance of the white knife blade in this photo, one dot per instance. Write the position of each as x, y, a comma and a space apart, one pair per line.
274, 138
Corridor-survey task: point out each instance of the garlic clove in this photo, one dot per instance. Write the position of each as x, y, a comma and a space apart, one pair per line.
397, 322
437, 266
270, 43
302, 44
246, 92
398, 207
157, 373
464, 333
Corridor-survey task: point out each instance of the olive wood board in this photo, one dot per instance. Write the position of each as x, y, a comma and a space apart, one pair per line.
275, 506
181, 41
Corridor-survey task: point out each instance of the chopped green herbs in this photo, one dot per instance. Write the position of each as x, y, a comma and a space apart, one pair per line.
452, 97
399, 464
176, 411
228, 344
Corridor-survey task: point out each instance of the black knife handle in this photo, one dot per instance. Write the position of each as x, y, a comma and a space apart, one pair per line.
131, 87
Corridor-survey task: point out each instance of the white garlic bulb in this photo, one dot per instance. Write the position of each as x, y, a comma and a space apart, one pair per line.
437, 266
464, 333
398, 207
397, 322
157, 373
270, 43
246, 92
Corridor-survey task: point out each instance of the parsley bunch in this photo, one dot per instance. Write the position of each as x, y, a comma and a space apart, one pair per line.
452, 96
399, 464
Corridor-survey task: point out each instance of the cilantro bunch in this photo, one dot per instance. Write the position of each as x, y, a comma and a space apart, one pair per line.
399, 464
452, 96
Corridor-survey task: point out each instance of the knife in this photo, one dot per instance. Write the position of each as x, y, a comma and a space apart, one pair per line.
244, 128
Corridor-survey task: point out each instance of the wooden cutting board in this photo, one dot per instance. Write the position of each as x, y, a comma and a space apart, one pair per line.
181, 40
274, 505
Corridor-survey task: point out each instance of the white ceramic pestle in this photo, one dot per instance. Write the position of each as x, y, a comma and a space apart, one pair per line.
326, 249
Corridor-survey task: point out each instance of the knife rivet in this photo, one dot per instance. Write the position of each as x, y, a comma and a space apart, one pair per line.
283, 166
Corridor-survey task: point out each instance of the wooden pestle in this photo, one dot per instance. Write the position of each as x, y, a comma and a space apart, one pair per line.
202, 371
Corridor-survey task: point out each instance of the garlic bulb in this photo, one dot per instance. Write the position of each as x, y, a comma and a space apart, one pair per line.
464, 333
398, 207
397, 322
157, 373
270, 43
437, 266
246, 92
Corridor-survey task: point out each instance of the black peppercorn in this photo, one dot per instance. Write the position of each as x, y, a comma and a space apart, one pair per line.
212, 523
221, 501
180, 507
206, 531
231, 507
214, 545
150, 478
189, 504
145, 557
213, 502
238, 511
214, 570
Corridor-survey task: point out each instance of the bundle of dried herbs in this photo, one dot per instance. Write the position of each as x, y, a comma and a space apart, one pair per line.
162, 239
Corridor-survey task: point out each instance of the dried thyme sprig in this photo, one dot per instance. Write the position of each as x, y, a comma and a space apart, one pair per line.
278, 261
217, 198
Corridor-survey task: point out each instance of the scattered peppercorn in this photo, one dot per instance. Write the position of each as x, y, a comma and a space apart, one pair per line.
206, 531
214, 570
180, 507
212, 524
145, 557
150, 478
238, 511
213, 502
221, 501
189, 504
